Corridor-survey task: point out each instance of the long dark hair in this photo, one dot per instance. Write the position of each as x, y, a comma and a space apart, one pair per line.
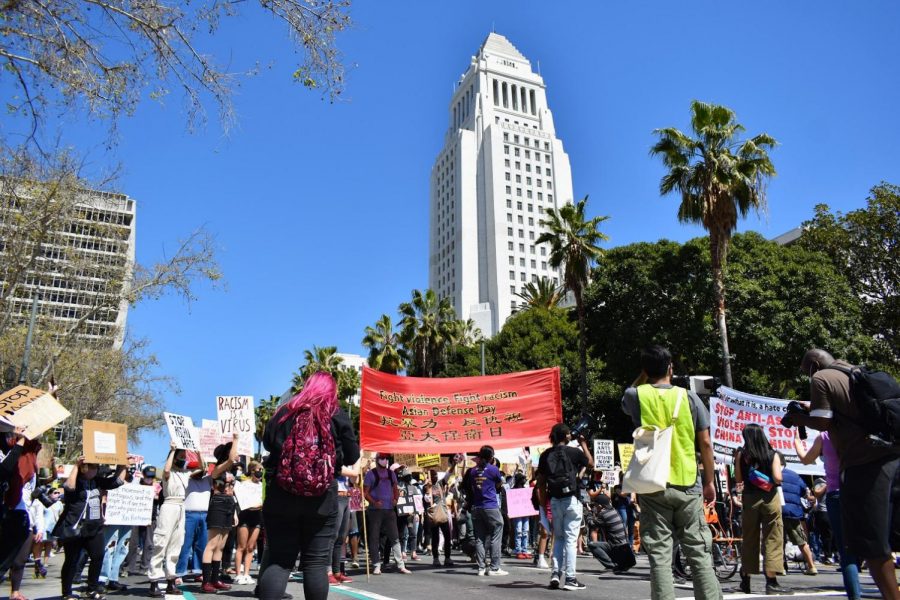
757, 449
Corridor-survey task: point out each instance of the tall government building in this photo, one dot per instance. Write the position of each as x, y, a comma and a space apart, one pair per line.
500, 169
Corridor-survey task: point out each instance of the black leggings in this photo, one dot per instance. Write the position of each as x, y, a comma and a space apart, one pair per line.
436, 531
94, 547
295, 524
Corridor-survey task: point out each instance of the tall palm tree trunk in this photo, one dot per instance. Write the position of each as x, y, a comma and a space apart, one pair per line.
718, 242
582, 351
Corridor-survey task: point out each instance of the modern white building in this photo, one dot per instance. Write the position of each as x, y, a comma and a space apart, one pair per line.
354, 362
80, 265
500, 169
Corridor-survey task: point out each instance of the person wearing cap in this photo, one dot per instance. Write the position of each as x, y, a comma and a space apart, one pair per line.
140, 548
116, 539
614, 552
481, 484
381, 490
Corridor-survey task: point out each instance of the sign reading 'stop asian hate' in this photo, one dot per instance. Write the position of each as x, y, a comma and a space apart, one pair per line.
412, 414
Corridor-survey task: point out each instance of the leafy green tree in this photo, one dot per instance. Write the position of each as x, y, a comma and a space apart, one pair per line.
864, 246
320, 358
783, 300
428, 330
386, 351
574, 245
720, 178
540, 294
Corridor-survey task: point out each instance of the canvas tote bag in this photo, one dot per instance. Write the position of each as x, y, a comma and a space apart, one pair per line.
652, 460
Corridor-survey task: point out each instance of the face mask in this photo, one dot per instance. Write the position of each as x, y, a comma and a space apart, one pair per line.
258, 474
382, 462
179, 463
238, 473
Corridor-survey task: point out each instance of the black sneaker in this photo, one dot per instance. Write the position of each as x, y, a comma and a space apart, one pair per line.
573, 584
773, 588
744, 587
554, 581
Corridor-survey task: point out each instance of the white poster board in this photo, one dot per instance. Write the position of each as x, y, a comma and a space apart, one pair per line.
730, 410
209, 437
236, 415
182, 431
611, 478
130, 505
248, 494
604, 458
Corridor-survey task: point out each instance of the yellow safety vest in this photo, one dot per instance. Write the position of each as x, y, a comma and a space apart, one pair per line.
657, 406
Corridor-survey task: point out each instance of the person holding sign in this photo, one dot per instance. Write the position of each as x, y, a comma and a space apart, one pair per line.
220, 517
80, 527
308, 440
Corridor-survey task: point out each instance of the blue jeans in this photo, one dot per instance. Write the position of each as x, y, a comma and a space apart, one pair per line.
114, 557
566, 525
849, 568
194, 541
521, 526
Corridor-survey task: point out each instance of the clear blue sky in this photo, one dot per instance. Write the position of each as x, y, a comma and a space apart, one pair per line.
321, 210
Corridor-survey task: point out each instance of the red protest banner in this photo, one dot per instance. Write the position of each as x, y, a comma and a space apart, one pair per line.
421, 415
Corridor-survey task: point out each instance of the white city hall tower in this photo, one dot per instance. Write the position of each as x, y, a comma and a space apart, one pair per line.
499, 171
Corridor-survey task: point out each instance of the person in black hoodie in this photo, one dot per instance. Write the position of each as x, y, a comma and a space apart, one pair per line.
306, 522
80, 527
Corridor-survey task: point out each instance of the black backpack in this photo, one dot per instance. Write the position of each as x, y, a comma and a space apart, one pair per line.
562, 480
876, 395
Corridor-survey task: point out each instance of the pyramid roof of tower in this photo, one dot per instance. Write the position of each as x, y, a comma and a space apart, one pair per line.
497, 44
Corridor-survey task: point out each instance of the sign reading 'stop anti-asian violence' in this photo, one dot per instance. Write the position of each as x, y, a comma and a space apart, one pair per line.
414, 414
731, 410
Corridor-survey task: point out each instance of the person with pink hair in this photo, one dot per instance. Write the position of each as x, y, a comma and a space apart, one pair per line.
308, 439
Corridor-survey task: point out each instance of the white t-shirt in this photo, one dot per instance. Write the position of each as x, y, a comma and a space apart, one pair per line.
198, 493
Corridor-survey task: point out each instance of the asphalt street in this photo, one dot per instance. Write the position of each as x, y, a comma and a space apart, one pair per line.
523, 582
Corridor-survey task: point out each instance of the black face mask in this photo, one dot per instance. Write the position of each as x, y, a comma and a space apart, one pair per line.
258, 474
179, 463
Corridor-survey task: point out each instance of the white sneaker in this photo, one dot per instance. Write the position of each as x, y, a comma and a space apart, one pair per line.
376, 570
542, 563
497, 573
481, 572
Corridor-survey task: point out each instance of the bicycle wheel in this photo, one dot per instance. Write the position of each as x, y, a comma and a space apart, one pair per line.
725, 560
680, 566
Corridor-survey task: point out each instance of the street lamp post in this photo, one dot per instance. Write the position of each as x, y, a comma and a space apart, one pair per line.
26, 357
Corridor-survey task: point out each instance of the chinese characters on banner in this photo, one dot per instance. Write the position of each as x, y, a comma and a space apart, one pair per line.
603, 455
730, 410
414, 414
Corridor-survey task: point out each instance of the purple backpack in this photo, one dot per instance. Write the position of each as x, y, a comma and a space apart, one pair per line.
307, 457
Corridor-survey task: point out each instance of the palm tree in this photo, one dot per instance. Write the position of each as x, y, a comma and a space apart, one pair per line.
264, 412
720, 177
427, 330
574, 246
386, 352
543, 294
320, 358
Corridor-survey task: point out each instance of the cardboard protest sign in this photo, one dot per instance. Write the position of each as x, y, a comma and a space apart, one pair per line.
626, 451
182, 431
31, 408
603, 455
236, 415
104, 443
130, 505
518, 502
248, 494
428, 460
730, 410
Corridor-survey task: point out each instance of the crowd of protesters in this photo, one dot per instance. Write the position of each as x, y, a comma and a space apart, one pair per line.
315, 485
